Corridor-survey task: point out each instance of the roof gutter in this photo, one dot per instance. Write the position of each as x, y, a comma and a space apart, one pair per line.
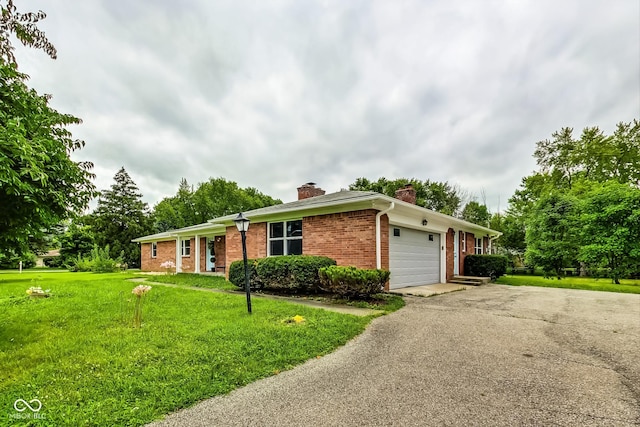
378, 238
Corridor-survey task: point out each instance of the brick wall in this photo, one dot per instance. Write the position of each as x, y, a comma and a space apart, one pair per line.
219, 249
449, 253
349, 237
166, 252
470, 249
256, 243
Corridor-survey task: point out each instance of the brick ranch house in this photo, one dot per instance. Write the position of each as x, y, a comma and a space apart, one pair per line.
360, 228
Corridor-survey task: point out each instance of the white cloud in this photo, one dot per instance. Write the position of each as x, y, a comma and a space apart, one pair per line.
275, 94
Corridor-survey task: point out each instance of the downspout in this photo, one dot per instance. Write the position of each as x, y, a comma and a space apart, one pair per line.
491, 239
378, 237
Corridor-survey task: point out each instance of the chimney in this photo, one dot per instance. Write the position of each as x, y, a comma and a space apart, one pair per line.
407, 194
309, 190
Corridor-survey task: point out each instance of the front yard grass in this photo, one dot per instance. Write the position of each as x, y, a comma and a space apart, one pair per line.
585, 283
196, 280
78, 353
385, 302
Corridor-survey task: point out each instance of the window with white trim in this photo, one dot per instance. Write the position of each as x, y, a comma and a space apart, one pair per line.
478, 248
464, 241
154, 249
186, 247
285, 238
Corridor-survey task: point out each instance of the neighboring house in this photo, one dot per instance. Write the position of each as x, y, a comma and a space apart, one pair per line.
360, 228
51, 254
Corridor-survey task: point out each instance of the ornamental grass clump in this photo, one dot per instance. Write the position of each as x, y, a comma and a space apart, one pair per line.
139, 291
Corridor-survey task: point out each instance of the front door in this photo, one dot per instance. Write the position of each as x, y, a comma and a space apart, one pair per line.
211, 255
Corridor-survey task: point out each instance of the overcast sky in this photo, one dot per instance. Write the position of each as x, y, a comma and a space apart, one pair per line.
273, 94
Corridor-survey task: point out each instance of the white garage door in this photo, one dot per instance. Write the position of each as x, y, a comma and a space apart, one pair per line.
414, 257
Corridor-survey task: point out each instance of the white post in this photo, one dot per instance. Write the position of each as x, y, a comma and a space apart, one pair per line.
20, 266
197, 263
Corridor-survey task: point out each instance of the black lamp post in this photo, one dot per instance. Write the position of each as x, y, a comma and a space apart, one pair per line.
242, 223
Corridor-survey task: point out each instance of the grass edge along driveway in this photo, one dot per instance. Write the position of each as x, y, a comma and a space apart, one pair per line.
584, 283
78, 354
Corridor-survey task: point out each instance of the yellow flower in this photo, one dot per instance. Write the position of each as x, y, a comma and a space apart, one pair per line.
298, 319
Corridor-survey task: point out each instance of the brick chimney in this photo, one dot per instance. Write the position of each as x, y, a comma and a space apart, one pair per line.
407, 194
309, 190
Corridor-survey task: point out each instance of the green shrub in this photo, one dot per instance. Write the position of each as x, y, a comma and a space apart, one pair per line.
98, 261
236, 274
290, 273
352, 281
492, 266
53, 262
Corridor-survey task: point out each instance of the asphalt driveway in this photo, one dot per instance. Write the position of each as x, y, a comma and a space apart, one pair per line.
493, 355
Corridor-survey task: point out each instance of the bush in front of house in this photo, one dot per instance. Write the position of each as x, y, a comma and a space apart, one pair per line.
492, 266
236, 273
289, 273
352, 282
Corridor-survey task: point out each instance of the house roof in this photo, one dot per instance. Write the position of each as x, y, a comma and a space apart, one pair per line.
344, 197
341, 201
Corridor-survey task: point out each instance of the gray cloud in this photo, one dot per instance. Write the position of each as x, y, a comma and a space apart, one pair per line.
275, 94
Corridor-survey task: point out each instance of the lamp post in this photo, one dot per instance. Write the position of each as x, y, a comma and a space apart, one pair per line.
242, 223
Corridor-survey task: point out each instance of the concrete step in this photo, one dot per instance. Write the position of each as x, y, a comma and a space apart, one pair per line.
470, 280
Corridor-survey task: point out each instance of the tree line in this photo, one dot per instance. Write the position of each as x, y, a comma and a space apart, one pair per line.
581, 208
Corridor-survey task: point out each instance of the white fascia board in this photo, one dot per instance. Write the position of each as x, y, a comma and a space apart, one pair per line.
412, 215
207, 229
302, 211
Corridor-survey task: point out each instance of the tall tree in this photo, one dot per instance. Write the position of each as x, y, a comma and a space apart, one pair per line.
121, 216
610, 229
218, 197
594, 156
438, 196
214, 198
552, 233
476, 213
39, 184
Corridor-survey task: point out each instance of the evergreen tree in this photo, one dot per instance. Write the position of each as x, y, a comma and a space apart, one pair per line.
121, 216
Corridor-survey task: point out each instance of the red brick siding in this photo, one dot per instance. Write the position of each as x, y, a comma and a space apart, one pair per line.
348, 237
470, 249
166, 252
219, 248
188, 262
449, 250
256, 243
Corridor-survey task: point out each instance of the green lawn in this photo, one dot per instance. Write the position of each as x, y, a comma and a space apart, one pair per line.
78, 353
586, 283
191, 279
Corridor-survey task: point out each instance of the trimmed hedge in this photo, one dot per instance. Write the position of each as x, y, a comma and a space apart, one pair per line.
492, 266
236, 274
289, 273
352, 281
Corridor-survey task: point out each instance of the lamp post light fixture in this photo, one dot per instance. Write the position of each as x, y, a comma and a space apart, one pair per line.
242, 223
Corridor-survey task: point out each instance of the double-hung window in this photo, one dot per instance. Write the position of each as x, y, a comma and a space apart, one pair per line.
478, 248
154, 249
285, 238
186, 247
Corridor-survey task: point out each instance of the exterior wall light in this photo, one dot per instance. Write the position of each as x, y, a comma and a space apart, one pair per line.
425, 222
